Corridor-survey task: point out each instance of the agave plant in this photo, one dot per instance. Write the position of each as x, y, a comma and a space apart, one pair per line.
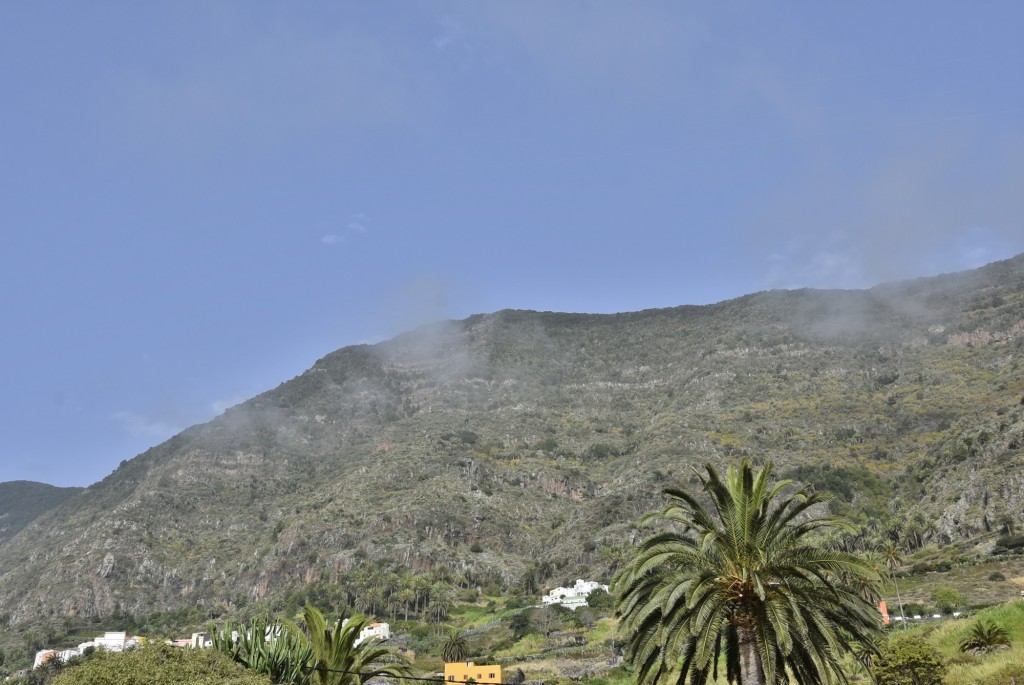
985, 637
268, 647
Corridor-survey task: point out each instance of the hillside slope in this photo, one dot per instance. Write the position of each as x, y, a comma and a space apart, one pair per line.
524, 445
21, 501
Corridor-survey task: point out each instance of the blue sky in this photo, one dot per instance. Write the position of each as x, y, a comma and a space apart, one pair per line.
202, 198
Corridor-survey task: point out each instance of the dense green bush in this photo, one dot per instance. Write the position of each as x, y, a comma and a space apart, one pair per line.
159, 664
599, 600
1009, 544
908, 661
947, 599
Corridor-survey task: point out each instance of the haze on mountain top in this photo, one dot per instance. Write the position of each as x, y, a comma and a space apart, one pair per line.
202, 199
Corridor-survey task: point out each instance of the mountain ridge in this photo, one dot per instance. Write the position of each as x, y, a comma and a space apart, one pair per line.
22, 501
522, 445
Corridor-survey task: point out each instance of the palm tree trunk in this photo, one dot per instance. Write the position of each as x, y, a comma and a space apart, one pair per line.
903, 619
751, 672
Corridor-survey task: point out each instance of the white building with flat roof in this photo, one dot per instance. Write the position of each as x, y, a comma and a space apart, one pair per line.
572, 597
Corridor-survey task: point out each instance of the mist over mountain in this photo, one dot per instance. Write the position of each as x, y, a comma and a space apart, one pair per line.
525, 443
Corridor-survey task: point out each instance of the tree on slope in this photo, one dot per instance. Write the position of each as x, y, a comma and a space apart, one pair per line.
890, 552
746, 581
455, 646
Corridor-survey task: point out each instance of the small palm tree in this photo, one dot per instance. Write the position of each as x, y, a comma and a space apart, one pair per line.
746, 581
455, 647
339, 658
985, 637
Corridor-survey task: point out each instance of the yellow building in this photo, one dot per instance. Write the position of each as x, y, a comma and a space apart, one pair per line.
460, 672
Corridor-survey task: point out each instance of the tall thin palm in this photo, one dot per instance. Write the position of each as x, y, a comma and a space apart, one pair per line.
340, 658
893, 559
746, 583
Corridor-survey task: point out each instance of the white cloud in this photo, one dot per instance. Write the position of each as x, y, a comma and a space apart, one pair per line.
356, 225
280, 81
221, 406
932, 200
635, 46
451, 31
146, 427
824, 261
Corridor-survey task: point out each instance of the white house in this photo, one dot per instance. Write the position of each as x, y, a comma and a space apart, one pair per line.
112, 642
115, 641
201, 641
573, 597
379, 629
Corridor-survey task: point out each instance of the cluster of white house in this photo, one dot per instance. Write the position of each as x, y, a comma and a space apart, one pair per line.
118, 642
572, 597
112, 642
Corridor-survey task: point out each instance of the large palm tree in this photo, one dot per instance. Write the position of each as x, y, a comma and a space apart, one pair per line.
746, 581
339, 658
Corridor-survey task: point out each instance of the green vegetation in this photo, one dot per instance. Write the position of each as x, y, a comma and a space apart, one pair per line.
453, 474
159, 664
455, 647
745, 582
908, 661
985, 637
338, 660
947, 599
265, 647
21, 502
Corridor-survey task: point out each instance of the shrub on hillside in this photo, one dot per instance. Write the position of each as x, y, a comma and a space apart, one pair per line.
947, 599
1011, 673
160, 664
908, 661
599, 600
1009, 544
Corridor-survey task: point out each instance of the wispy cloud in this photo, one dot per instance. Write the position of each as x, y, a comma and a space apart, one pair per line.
355, 225
146, 427
929, 201
639, 46
451, 32
222, 405
279, 82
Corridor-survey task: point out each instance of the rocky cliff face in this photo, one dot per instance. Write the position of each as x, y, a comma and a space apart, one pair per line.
521, 443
